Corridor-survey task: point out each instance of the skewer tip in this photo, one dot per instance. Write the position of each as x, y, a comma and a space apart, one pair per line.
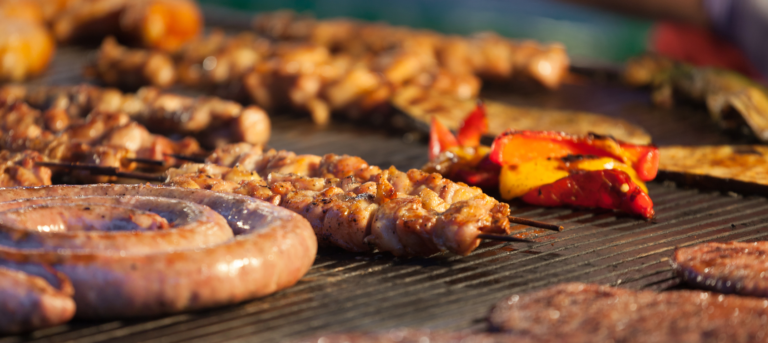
504, 238
535, 223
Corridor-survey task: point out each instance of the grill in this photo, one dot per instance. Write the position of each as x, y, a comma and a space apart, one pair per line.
345, 291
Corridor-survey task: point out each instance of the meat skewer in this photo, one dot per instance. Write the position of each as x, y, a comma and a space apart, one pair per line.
115, 245
485, 54
345, 66
356, 206
212, 120
107, 139
104, 171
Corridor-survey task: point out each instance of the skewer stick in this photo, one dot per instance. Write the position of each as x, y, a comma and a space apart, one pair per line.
196, 159
159, 163
92, 168
95, 169
143, 176
504, 238
535, 223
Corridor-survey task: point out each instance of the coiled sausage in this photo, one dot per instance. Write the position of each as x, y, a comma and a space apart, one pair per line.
171, 250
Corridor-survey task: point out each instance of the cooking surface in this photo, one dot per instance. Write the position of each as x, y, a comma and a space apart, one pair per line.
346, 291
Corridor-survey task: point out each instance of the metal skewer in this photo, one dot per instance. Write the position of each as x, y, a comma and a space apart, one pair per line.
95, 169
504, 238
196, 159
535, 223
159, 163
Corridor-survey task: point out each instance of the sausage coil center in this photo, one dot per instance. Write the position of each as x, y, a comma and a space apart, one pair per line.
119, 251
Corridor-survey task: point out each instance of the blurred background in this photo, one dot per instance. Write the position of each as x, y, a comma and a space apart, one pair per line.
591, 35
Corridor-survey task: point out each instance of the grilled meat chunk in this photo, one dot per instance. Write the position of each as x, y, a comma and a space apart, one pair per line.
19, 169
576, 312
212, 120
733, 267
415, 336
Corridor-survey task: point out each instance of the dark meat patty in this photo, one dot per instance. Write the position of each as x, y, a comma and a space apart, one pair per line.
576, 312
732, 267
415, 336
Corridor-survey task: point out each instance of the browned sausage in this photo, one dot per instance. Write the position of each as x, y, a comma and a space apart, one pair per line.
271, 249
29, 301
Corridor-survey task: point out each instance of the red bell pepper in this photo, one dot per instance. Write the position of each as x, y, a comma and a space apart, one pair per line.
440, 139
484, 175
474, 126
516, 147
610, 189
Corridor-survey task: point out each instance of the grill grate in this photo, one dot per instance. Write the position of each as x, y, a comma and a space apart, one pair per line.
345, 291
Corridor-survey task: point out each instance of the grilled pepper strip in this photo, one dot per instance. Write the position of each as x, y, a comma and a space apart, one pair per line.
474, 127
517, 147
440, 138
609, 189
515, 181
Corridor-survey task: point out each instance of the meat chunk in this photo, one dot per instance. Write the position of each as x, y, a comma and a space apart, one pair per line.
733, 267
414, 336
576, 312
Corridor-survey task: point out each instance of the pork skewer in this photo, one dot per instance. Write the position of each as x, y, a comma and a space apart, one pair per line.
106, 139
353, 205
212, 120
349, 67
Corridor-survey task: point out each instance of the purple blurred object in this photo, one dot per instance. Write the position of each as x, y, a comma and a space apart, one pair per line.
745, 23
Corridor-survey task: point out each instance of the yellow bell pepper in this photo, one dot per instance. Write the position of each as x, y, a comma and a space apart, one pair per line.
516, 180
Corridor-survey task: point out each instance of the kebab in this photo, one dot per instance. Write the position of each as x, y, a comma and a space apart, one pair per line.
129, 251
356, 206
344, 66
104, 140
294, 75
485, 54
547, 168
213, 120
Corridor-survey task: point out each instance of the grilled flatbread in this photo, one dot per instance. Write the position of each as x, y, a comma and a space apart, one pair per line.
737, 168
421, 105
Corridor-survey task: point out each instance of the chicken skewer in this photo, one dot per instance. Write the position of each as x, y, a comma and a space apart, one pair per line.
353, 205
212, 120
105, 139
485, 54
348, 67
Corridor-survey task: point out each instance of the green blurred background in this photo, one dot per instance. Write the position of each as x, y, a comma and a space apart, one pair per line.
590, 35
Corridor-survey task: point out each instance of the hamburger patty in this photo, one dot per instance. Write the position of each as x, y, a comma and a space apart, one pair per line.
733, 267
414, 336
577, 312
